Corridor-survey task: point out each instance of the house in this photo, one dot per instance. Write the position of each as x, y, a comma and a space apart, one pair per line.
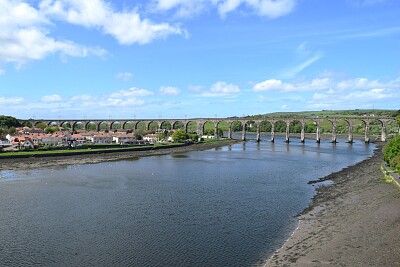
4, 144
54, 140
27, 144
151, 138
101, 139
122, 138
76, 139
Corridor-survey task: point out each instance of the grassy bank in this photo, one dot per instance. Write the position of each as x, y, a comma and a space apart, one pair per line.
82, 151
95, 150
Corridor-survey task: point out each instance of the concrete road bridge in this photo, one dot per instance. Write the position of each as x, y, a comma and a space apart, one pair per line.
107, 124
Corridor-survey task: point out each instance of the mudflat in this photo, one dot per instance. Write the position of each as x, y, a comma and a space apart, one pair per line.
353, 222
53, 161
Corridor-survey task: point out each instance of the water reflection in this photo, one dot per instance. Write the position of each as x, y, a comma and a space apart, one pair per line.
231, 206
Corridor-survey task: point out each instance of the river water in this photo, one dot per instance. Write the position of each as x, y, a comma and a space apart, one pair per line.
231, 206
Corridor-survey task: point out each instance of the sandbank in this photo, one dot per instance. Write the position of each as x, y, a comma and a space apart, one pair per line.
353, 222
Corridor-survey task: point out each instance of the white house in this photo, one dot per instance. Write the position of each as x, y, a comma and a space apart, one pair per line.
151, 138
53, 140
124, 139
101, 139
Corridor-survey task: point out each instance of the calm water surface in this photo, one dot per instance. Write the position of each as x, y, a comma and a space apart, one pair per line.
231, 206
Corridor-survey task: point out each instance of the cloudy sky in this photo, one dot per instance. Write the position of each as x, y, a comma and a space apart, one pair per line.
196, 58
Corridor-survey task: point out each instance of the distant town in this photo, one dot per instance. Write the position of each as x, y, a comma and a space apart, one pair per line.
25, 138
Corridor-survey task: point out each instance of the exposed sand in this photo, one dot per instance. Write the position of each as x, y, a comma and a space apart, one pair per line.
33, 163
353, 222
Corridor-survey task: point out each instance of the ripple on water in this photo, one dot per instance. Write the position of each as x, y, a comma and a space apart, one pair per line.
227, 207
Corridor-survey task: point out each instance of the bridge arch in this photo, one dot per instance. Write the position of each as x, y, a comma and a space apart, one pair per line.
116, 125
153, 126
78, 125
91, 126
178, 125
296, 129
192, 126
128, 125
104, 126
166, 125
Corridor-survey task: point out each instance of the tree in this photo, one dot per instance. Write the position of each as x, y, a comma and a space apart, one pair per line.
8, 121
41, 125
180, 135
52, 129
139, 134
12, 130
194, 137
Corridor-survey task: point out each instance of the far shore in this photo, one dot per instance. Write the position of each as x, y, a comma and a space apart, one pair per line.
54, 160
353, 222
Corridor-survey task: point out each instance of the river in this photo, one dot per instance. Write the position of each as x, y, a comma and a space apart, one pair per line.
230, 206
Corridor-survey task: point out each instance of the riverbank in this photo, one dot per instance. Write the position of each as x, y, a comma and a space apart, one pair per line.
53, 161
353, 222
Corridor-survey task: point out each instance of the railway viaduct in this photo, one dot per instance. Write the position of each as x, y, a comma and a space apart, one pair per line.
244, 121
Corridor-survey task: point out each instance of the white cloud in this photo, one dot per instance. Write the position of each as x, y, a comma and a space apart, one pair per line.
126, 26
24, 36
377, 93
268, 8
122, 102
359, 92
272, 85
196, 88
306, 57
11, 100
134, 91
79, 98
220, 89
169, 90
124, 76
184, 8
324, 84
51, 98
224, 88
358, 83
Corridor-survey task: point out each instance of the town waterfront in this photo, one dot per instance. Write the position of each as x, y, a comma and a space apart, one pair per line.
230, 206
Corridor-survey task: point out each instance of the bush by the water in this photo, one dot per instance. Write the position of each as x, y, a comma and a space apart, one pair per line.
392, 154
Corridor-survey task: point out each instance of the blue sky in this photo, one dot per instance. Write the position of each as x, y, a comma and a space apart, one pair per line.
200, 58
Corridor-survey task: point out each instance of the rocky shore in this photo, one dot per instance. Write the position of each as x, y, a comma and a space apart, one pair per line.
353, 222
33, 163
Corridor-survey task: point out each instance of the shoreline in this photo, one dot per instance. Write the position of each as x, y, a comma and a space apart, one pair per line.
9, 164
352, 222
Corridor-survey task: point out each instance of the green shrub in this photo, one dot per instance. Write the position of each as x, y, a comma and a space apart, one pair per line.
392, 153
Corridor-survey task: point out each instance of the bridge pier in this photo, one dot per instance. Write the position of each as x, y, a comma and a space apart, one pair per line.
230, 131
258, 138
272, 133
287, 132
302, 135
318, 134
350, 138
367, 139
334, 132
383, 134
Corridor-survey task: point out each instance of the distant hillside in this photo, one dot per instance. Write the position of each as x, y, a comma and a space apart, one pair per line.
335, 113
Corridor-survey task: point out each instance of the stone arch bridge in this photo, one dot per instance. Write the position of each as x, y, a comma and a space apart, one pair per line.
244, 121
